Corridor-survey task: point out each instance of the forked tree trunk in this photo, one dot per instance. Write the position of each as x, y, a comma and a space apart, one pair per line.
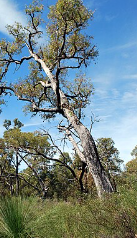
101, 180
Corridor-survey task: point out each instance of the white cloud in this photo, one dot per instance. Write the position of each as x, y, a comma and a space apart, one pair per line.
125, 134
110, 17
32, 124
125, 46
9, 13
122, 130
2, 129
115, 104
130, 76
10, 9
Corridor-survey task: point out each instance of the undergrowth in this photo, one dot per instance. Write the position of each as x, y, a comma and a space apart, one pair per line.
113, 217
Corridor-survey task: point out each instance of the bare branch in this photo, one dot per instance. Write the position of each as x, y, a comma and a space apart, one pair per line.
71, 67
4, 88
32, 185
11, 60
51, 110
34, 171
71, 139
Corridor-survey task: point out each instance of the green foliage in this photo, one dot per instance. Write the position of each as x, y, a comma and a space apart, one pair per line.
16, 124
130, 173
36, 6
109, 155
7, 124
18, 146
134, 152
113, 217
17, 31
66, 22
62, 181
32, 140
131, 166
116, 216
15, 214
81, 89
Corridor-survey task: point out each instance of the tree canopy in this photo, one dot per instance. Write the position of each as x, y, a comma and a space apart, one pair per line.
50, 88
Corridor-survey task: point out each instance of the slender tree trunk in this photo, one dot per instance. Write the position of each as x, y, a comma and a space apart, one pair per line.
101, 180
81, 176
17, 174
11, 187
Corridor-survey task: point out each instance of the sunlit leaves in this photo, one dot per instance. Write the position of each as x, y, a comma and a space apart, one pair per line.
36, 6
71, 11
27, 87
17, 31
34, 11
79, 92
109, 155
131, 166
134, 152
67, 21
33, 141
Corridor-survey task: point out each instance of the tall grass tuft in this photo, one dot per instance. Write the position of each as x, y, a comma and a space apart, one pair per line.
14, 218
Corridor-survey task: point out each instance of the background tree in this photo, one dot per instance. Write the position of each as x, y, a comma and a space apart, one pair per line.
109, 156
10, 139
35, 150
23, 145
85, 178
7, 172
49, 89
63, 181
131, 166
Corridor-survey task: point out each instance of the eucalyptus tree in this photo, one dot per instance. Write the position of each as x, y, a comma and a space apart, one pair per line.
131, 166
109, 156
35, 150
7, 174
27, 147
50, 88
12, 150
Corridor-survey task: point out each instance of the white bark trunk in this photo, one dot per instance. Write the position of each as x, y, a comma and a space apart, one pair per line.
102, 182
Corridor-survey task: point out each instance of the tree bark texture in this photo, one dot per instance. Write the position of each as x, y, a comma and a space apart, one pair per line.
90, 153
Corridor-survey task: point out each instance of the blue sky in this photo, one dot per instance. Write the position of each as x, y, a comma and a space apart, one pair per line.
114, 75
